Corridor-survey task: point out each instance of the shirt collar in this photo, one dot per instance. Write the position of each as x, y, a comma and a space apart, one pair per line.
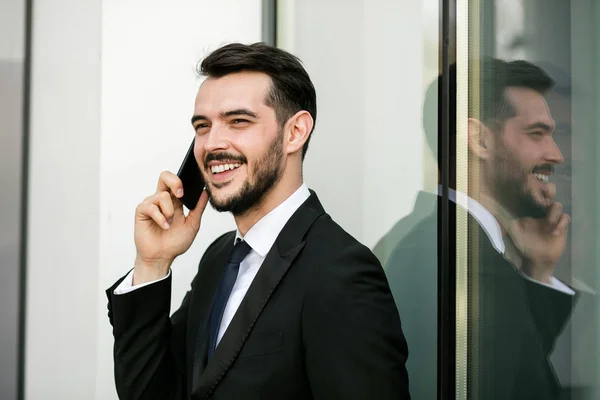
486, 220
263, 234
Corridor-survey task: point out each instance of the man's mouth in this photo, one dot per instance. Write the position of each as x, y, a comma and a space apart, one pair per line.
542, 177
220, 168
543, 172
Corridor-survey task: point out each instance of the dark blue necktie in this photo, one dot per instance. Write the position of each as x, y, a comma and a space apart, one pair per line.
230, 272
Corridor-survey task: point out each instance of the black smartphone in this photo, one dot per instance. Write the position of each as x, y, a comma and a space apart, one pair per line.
192, 180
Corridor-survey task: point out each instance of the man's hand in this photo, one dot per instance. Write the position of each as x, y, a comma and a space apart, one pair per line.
162, 231
541, 242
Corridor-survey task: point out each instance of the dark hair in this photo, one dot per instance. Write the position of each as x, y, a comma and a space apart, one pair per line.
494, 107
495, 77
291, 88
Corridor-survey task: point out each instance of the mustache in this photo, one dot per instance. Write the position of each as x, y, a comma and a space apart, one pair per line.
223, 156
543, 168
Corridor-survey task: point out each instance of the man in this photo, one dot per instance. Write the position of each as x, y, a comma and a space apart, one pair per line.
297, 308
516, 234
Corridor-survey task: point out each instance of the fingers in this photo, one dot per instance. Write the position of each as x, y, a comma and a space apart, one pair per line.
549, 191
195, 215
150, 210
562, 225
165, 205
165, 202
170, 182
160, 208
554, 213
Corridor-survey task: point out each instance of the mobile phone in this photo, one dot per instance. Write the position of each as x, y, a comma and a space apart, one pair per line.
192, 180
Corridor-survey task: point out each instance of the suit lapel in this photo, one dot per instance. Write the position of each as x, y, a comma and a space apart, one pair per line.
288, 245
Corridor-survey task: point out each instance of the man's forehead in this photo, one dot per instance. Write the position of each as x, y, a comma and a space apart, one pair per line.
233, 91
242, 83
530, 106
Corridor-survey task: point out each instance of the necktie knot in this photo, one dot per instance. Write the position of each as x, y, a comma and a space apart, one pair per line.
239, 251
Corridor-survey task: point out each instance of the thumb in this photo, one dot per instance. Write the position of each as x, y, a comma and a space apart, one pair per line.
195, 215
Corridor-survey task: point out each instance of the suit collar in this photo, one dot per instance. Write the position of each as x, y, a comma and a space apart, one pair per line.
264, 233
287, 246
298, 225
483, 216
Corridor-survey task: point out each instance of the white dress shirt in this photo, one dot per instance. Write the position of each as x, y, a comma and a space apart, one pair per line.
261, 238
491, 227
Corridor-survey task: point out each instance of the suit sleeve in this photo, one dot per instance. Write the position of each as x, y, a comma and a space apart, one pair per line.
149, 349
354, 346
550, 310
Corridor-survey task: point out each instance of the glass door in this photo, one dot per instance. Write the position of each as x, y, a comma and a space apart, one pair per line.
527, 159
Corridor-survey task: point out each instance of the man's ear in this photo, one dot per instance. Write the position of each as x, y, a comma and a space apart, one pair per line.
480, 139
298, 129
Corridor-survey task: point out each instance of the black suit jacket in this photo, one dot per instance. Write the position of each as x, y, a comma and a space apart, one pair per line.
318, 322
513, 322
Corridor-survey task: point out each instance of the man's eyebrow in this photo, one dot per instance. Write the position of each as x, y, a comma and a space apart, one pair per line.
539, 125
238, 111
226, 114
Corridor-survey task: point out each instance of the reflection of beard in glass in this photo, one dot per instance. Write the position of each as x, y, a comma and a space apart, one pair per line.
510, 185
265, 173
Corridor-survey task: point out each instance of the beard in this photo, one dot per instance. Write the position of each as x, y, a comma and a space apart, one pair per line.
266, 172
511, 186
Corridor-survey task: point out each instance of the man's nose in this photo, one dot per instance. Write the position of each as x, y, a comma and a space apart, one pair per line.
216, 139
553, 153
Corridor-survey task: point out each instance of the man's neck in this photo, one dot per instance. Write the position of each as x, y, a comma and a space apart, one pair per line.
483, 196
279, 193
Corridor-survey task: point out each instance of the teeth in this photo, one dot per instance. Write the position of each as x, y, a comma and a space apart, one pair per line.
542, 177
215, 169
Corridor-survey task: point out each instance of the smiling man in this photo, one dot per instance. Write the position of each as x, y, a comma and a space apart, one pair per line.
516, 235
288, 306
522, 307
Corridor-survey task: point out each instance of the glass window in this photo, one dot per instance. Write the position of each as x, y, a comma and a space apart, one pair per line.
529, 142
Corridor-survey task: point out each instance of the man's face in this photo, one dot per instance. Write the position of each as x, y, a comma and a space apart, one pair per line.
524, 155
239, 144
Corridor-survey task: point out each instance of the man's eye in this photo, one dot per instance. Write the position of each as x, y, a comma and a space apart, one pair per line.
240, 121
201, 127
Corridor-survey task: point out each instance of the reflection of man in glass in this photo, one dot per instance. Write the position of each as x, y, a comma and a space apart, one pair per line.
517, 233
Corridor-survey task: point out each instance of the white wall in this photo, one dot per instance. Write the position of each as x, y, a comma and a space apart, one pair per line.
113, 91
12, 21
331, 49
64, 197
368, 156
401, 39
